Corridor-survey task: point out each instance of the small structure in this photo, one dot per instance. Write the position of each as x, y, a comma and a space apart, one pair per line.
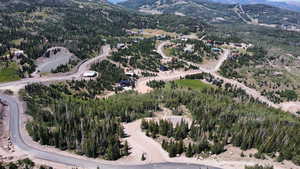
161, 37
130, 74
277, 73
217, 50
184, 39
90, 74
121, 46
18, 53
189, 48
210, 41
125, 83
163, 68
238, 45
219, 43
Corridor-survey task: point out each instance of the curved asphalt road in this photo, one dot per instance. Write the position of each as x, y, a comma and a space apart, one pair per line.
16, 138
15, 109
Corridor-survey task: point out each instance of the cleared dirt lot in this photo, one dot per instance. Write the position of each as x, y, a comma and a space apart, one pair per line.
56, 58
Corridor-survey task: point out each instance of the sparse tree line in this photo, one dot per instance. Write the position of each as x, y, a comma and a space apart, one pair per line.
178, 141
140, 55
198, 52
156, 84
259, 167
108, 75
65, 67
280, 96
258, 56
22, 164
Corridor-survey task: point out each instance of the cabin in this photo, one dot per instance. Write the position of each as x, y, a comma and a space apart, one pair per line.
219, 43
238, 45
125, 83
189, 48
18, 53
90, 74
217, 50
161, 37
121, 46
163, 68
184, 39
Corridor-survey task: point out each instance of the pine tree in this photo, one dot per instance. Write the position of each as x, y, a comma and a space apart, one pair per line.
189, 151
172, 149
126, 148
143, 158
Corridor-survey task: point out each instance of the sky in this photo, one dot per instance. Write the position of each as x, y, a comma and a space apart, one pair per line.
286, 0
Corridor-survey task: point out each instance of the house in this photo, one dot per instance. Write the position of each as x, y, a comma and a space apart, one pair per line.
184, 39
18, 53
161, 37
219, 43
216, 50
209, 44
125, 83
210, 41
238, 45
121, 46
130, 74
90, 74
189, 48
163, 68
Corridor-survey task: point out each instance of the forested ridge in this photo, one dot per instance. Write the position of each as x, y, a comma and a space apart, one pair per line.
80, 26
89, 127
218, 121
220, 117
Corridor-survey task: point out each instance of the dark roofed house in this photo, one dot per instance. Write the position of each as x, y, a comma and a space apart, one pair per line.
124, 83
163, 68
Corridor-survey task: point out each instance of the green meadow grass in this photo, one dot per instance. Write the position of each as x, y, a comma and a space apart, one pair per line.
9, 73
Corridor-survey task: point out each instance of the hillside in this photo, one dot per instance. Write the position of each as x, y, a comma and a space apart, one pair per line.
215, 12
206, 11
32, 27
288, 4
273, 29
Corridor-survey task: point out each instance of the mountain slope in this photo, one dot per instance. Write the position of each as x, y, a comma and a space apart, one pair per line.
290, 5
206, 11
79, 25
214, 12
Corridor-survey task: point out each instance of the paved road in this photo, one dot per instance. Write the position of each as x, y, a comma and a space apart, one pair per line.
141, 85
77, 75
16, 109
16, 138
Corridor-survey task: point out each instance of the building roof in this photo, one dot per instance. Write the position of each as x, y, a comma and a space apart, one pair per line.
90, 74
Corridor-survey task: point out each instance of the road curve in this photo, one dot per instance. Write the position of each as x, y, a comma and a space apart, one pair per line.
143, 88
16, 109
77, 75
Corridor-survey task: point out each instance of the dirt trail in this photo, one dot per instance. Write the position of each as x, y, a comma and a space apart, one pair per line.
140, 144
230, 159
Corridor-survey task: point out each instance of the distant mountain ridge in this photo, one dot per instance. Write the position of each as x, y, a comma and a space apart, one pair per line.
215, 13
291, 5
